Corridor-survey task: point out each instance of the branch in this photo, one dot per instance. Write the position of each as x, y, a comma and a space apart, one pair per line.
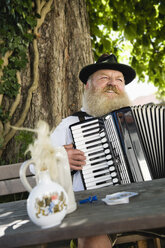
34, 86
14, 105
45, 9
38, 3
1, 129
42, 4
17, 100
5, 63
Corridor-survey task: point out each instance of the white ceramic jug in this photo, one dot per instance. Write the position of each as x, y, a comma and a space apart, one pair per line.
51, 167
59, 173
47, 202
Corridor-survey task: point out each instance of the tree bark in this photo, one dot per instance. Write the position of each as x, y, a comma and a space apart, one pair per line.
64, 48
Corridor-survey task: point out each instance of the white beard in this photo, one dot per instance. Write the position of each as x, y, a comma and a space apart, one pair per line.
96, 103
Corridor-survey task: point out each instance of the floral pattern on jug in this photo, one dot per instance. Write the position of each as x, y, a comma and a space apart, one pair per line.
50, 204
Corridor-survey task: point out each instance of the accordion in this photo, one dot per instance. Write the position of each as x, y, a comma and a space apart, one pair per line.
124, 146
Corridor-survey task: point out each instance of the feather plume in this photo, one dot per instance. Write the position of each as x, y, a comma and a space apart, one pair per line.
42, 152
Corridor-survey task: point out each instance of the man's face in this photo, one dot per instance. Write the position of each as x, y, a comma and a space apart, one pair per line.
111, 83
105, 92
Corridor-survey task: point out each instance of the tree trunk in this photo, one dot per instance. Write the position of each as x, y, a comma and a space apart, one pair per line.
64, 48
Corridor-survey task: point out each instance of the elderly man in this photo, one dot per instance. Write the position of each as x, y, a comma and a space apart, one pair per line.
104, 92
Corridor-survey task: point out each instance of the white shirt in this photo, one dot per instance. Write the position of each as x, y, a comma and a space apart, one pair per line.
62, 136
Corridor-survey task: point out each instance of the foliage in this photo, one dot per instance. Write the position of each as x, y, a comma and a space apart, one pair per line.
17, 18
19, 24
116, 25
141, 22
23, 139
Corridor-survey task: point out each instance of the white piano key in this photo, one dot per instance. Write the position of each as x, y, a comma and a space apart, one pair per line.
92, 157
92, 179
94, 174
98, 180
100, 185
91, 150
86, 129
105, 145
93, 136
81, 125
98, 159
94, 167
86, 133
92, 171
87, 146
87, 142
99, 154
94, 153
95, 162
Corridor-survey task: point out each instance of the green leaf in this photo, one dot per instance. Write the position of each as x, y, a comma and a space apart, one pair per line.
20, 27
145, 41
130, 31
31, 21
1, 62
106, 44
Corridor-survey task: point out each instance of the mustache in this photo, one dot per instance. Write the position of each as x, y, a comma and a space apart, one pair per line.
111, 87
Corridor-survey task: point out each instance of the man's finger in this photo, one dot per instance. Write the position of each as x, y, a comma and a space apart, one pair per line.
73, 167
70, 146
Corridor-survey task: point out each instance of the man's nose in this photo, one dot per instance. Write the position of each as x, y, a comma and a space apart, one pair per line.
111, 81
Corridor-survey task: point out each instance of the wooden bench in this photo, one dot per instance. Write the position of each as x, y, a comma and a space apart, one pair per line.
10, 184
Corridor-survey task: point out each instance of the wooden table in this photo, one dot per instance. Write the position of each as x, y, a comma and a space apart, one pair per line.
144, 211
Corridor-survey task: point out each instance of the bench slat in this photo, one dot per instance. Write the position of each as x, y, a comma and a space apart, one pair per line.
14, 186
11, 171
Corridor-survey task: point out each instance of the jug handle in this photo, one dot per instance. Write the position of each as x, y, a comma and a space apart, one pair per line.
22, 174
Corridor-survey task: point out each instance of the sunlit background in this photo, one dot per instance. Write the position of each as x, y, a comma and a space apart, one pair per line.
141, 93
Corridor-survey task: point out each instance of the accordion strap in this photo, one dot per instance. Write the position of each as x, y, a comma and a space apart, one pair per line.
81, 115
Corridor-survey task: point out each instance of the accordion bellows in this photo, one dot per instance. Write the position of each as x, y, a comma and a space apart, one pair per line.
124, 146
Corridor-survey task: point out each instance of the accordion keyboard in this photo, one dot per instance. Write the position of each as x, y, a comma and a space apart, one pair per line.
104, 160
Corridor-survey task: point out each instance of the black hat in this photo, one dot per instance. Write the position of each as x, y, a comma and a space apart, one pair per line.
107, 61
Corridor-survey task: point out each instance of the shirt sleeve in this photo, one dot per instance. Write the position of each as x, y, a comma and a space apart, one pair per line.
62, 135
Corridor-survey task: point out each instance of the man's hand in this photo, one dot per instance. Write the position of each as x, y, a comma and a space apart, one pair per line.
76, 157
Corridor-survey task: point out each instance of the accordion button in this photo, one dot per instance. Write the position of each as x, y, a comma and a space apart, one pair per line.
110, 162
112, 168
114, 174
108, 156
115, 180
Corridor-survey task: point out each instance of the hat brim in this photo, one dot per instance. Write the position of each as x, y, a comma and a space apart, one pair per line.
128, 72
